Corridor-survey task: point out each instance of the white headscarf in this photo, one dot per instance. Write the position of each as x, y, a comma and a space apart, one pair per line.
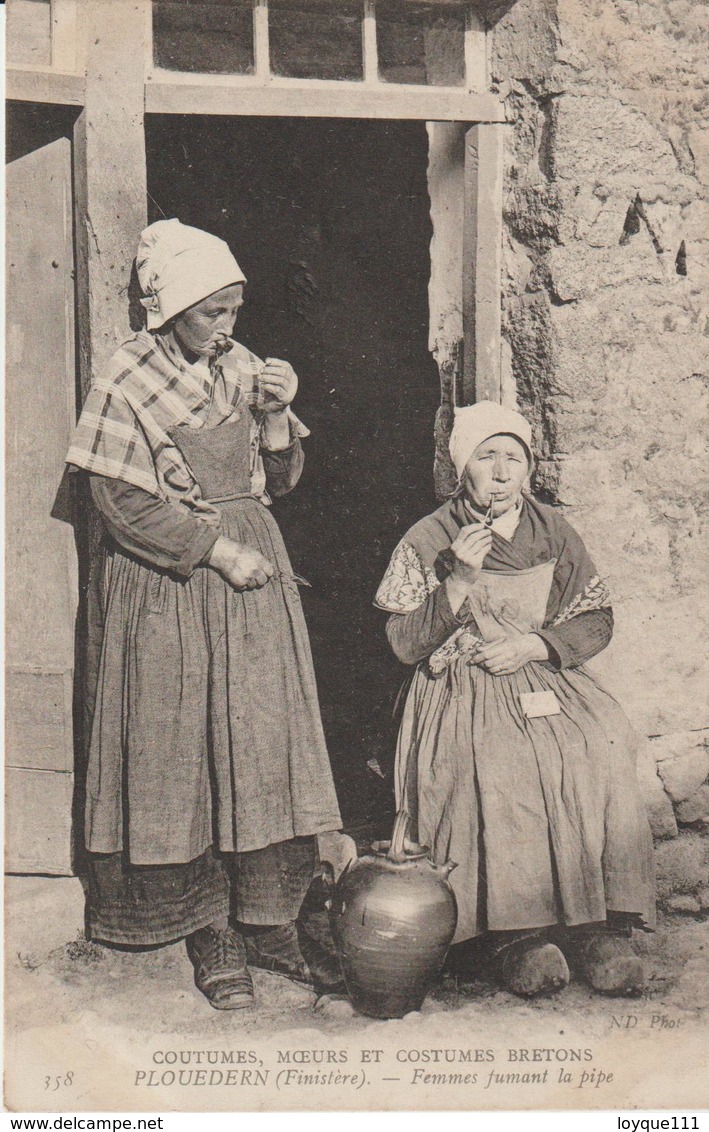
475, 424
179, 266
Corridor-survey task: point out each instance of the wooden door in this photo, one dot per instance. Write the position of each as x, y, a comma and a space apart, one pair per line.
41, 569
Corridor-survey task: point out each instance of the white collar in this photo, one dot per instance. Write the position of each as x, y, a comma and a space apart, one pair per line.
505, 524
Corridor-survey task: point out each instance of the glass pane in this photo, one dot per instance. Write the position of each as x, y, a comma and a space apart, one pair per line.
316, 39
29, 35
421, 43
213, 37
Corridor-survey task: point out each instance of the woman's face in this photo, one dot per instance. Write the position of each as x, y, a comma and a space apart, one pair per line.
497, 468
202, 331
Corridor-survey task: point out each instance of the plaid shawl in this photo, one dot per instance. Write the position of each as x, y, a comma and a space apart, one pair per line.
122, 432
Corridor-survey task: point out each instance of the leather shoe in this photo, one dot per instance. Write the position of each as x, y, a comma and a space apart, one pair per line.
303, 951
276, 948
220, 971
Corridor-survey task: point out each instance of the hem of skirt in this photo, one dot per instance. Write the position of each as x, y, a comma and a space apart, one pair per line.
334, 825
476, 932
118, 923
185, 855
102, 933
644, 921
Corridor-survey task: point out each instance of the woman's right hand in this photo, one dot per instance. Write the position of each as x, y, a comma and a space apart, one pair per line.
240, 565
469, 550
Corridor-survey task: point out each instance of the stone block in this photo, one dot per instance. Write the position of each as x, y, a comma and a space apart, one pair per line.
682, 774
682, 864
689, 905
659, 807
655, 664
695, 219
600, 138
525, 43
695, 809
699, 145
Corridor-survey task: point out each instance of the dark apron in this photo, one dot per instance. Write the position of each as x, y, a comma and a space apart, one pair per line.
207, 737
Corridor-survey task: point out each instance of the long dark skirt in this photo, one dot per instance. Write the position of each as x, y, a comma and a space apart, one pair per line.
143, 905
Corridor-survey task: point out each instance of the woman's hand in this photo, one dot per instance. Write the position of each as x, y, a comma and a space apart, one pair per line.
241, 566
279, 383
469, 550
508, 654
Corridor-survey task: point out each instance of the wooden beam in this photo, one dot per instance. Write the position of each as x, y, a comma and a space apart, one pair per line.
64, 37
43, 86
482, 264
109, 175
370, 53
476, 68
319, 100
262, 61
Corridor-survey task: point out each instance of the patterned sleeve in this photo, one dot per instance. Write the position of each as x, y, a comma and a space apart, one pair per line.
407, 582
422, 624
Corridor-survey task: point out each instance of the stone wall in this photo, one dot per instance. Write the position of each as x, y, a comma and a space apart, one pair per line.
605, 319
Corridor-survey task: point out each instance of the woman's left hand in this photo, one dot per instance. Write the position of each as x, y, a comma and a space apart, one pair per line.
279, 383
508, 654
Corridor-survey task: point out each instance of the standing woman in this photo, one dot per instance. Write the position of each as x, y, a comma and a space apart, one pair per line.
208, 776
513, 760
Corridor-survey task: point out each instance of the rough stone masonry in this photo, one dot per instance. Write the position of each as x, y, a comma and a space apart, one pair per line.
606, 332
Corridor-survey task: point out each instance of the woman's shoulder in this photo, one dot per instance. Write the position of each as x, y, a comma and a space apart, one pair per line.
434, 528
126, 361
553, 520
133, 351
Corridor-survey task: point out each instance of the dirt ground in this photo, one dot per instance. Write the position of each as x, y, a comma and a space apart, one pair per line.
60, 990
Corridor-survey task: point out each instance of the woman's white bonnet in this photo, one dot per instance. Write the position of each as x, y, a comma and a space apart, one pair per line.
179, 266
475, 424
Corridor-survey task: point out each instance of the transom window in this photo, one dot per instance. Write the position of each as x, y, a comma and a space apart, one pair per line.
411, 42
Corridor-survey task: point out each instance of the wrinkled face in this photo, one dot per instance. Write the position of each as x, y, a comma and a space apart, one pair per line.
498, 467
202, 330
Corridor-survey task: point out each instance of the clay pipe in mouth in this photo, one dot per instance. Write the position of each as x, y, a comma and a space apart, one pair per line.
487, 521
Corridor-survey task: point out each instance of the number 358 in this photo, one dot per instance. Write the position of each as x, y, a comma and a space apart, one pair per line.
64, 1080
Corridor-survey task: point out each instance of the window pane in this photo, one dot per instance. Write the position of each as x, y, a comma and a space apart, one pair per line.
316, 39
421, 43
29, 36
214, 37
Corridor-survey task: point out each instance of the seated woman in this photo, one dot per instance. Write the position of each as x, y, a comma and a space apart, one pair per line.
512, 759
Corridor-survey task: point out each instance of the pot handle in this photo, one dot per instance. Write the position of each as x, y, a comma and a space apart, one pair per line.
397, 852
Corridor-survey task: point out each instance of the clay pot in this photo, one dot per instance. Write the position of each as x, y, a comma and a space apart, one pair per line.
393, 916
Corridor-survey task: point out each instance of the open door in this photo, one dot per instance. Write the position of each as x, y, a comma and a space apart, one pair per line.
41, 569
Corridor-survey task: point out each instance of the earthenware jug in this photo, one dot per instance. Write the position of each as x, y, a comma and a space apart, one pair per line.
393, 915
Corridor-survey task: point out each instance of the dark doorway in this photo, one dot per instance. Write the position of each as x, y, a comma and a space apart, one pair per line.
329, 220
